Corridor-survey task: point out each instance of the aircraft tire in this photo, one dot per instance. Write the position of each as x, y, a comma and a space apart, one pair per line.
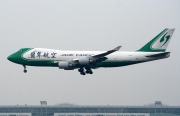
90, 72
83, 73
25, 71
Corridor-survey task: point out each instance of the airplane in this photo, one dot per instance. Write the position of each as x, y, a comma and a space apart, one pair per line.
85, 61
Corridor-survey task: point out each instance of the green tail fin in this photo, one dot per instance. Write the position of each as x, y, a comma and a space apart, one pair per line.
158, 43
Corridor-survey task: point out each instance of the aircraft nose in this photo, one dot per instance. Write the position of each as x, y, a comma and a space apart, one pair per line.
12, 58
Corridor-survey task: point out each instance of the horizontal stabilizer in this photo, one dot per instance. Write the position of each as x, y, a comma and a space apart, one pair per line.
160, 54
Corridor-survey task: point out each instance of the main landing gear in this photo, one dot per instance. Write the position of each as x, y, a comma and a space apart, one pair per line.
25, 71
83, 72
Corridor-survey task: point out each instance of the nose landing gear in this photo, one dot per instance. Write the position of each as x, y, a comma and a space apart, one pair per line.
25, 71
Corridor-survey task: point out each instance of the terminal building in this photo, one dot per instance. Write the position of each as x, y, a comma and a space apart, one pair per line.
157, 109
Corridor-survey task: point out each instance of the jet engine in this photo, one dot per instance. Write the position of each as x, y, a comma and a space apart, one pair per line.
65, 65
85, 61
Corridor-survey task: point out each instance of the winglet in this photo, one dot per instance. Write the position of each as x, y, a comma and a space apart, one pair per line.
117, 48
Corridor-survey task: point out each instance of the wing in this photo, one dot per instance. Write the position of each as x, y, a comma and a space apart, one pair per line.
99, 57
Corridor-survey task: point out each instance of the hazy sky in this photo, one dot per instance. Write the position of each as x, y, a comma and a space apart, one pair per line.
89, 25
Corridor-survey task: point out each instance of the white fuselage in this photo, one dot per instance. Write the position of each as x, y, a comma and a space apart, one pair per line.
118, 56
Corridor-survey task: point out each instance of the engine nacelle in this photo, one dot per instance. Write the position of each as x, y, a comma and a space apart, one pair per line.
64, 65
85, 61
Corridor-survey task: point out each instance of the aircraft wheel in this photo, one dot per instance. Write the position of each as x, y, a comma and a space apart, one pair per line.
90, 72
87, 72
82, 73
81, 70
25, 71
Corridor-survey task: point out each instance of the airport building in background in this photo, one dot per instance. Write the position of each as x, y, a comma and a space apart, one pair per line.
157, 109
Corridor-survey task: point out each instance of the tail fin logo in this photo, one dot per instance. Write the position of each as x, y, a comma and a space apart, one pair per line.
164, 39
160, 42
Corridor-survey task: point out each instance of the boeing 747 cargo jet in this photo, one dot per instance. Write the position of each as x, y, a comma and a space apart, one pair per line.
85, 61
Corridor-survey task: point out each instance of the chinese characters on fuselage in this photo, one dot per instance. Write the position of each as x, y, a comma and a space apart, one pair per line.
40, 54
